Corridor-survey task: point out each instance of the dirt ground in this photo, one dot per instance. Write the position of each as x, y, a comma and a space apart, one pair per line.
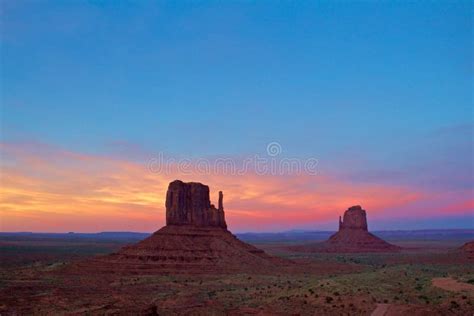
450, 284
431, 281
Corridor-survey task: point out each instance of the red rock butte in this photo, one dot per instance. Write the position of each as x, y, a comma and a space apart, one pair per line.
353, 236
354, 218
194, 240
189, 204
468, 249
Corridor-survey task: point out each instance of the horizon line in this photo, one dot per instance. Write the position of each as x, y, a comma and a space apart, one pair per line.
239, 232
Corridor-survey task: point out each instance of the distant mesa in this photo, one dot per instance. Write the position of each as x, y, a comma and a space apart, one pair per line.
194, 240
353, 236
354, 218
468, 249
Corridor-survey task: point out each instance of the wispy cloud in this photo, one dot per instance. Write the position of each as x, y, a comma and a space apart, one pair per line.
46, 188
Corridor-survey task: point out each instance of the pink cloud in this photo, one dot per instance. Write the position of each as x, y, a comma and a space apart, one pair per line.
50, 189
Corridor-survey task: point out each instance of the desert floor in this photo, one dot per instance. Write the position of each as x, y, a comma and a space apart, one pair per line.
426, 278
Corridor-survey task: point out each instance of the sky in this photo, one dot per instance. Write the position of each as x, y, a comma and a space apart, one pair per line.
95, 93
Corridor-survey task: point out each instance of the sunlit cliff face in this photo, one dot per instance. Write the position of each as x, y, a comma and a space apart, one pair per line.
48, 189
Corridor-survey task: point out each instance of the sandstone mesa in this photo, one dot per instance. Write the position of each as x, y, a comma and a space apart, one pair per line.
353, 236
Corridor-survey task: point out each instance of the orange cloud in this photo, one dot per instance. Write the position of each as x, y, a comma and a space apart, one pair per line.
49, 189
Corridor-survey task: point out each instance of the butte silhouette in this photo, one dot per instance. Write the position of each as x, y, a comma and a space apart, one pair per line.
353, 236
195, 239
468, 249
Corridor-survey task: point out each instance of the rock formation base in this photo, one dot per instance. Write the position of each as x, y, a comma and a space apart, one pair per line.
193, 249
468, 249
357, 241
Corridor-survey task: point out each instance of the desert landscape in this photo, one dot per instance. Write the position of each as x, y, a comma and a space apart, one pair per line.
194, 265
242, 157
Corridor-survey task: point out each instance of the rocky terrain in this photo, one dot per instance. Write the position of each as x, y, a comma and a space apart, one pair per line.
419, 281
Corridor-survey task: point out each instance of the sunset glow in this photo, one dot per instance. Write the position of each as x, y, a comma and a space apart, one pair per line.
45, 187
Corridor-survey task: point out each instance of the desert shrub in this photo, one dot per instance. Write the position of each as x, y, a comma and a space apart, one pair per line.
153, 310
211, 294
329, 299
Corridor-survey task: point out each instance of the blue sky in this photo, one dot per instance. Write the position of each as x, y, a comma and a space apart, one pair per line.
377, 91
